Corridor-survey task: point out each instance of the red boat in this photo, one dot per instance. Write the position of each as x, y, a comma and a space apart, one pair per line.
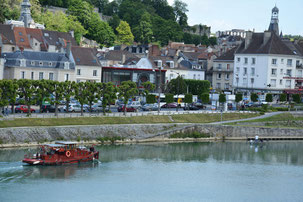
61, 152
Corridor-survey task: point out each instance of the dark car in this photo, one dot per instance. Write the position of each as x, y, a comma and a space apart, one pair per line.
199, 105
128, 108
191, 107
169, 105
23, 109
48, 108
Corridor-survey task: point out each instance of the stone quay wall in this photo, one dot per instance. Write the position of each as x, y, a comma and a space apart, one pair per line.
135, 132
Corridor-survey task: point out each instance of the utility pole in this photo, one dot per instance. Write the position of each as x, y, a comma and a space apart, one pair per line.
178, 91
159, 90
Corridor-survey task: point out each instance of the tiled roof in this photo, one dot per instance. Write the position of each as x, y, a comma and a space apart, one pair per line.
7, 34
274, 45
52, 37
229, 55
85, 56
21, 37
117, 55
57, 59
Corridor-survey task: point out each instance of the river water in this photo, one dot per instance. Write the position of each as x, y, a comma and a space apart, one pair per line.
231, 171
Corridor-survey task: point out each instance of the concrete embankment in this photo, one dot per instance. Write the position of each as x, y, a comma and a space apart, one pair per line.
136, 132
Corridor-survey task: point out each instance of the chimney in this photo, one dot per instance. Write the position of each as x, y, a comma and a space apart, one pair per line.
72, 33
267, 35
248, 38
68, 49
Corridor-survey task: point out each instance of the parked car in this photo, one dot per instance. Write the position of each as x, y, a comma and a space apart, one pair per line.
170, 105
199, 105
23, 109
48, 108
150, 107
73, 107
135, 104
191, 107
128, 108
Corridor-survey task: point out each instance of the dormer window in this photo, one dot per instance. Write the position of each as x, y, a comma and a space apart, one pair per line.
40, 63
22, 62
46, 34
50, 64
32, 63
66, 65
159, 63
170, 64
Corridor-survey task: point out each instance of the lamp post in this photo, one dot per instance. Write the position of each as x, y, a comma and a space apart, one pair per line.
178, 90
159, 90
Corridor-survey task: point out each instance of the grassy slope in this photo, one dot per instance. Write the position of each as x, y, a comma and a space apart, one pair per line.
188, 118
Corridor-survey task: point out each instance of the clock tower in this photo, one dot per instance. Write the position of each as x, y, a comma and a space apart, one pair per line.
274, 23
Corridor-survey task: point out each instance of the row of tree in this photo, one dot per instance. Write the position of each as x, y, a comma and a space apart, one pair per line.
32, 92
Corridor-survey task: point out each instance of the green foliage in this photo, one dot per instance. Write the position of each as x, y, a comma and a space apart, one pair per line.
80, 94
169, 98
150, 99
205, 98
197, 87
148, 87
143, 32
254, 97
188, 98
125, 35
177, 86
239, 97
268, 97
222, 98
90, 93
127, 90
190, 135
283, 97
296, 98
27, 90
106, 91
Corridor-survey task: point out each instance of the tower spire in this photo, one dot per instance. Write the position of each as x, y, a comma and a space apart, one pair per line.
26, 13
274, 22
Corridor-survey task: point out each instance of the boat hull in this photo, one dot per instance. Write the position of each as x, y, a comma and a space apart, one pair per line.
61, 161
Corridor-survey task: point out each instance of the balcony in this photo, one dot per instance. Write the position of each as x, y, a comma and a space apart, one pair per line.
299, 66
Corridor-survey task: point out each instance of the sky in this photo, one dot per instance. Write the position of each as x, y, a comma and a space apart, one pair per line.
224, 15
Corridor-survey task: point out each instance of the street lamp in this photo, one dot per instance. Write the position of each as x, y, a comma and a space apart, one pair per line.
159, 88
178, 87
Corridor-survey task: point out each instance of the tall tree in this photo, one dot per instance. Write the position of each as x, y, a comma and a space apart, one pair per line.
143, 31
180, 9
27, 91
107, 93
254, 97
7, 92
127, 90
125, 35
91, 94
68, 92
80, 94
13, 93
56, 89
177, 86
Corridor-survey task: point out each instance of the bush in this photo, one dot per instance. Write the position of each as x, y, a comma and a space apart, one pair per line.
262, 113
282, 109
190, 135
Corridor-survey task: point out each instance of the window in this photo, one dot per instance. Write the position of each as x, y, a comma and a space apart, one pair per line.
50, 64
253, 61
226, 86
220, 67
218, 76
239, 59
298, 63
66, 77
282, 61
159, 64
273, 82
40, 63
66, 65
32, 75
281, 82
228, 66
245, 60
245, 71
194, 76
252, 81
78, 71
289, 62
51, 76
218, 86
299, 73
288, 72
237, 81
32, 63
238, 69
244, 81
78, 81
22, 74
198, 76
281, 71
288, 83
40, 75
94, 72
274, 61
253, 71
273, 72
23, 62
227, 77
13, 49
